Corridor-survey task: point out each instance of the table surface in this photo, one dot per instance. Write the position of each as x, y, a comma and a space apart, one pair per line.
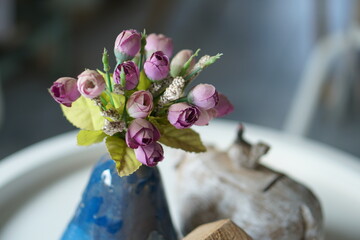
41, 185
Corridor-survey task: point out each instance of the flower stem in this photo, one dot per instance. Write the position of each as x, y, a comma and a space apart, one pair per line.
194, 72
103, 101
142, 50
188, 62
105, 60
179, 100
109, 81
111, 98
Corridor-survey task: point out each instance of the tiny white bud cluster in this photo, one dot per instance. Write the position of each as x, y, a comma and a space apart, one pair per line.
173, 92
112, 114
118, 89
110, 128
159, 86
202, 62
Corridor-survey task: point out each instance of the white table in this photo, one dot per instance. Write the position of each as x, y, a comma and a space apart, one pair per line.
41, 185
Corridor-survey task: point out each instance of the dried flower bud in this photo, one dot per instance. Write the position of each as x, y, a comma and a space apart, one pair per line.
90, 84
64, 91
140, 104
204, 96
224, 106
131, 72
205, 116
127, 45
141, 133
159, 42
177, 63
150, 155
183, 115
157, 66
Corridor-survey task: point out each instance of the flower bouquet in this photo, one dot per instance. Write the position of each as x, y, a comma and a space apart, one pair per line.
136, 107
143, 102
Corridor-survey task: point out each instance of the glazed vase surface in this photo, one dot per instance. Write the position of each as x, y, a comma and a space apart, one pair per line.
122, 208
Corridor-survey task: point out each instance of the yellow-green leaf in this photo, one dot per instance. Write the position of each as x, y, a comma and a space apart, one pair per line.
84, 114
124, 157
144, 82
86, 137
103, 74
119, 102
186, 139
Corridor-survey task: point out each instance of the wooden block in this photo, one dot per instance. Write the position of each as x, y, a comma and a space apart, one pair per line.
220, 230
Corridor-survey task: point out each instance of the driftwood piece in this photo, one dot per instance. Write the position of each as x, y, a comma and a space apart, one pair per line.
220, 230
233, 184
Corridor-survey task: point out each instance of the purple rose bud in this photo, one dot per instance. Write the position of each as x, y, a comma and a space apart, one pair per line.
150, 155
204, 96
205, 116
64, 91
141, 133
183, 115
159, 42
224, 106
131, 74
90, 84
157, 66
127, 45
140, 104
179, 60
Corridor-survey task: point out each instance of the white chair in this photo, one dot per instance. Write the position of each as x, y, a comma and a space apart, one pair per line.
341, 47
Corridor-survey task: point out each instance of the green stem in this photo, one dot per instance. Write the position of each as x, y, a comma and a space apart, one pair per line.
188, 62
105, 60
125, 115
103, 101
109, 81
142, 51
188, 77
111, 98
179, 100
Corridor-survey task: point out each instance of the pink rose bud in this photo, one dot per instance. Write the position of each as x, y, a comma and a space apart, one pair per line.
224, 106
179, 60
127, 45
90, 84
159, 42
205, 116
131, 74
157, 66
183, 115
204, 96
141, 133
64, 91
150, 155
140, 104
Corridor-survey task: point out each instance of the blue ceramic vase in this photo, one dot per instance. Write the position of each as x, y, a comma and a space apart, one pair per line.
122, 208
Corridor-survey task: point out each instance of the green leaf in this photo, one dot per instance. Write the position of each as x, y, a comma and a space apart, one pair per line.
185, 139
84, 114
86, 137
159, 122
124, 157
144, 82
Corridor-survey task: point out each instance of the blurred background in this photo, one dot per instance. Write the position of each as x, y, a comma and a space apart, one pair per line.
288, 65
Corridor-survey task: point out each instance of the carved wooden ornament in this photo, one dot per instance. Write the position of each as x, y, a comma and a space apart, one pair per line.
232, 184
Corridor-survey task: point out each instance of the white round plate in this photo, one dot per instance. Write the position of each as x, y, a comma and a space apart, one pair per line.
41, 185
